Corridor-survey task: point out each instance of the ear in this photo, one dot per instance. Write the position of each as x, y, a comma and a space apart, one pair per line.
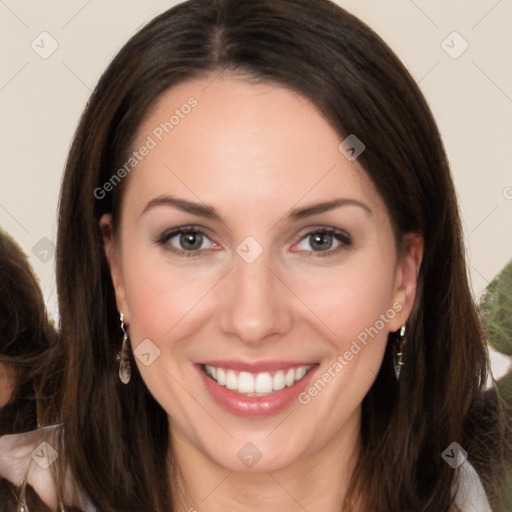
112, 253
406, 281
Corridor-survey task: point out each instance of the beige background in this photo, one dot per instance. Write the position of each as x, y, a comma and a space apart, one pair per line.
471, 97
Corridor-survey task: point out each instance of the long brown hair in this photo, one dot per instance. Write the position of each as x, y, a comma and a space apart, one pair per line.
28, 343
117, 437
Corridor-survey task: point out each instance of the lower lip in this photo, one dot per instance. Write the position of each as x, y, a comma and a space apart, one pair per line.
254, 406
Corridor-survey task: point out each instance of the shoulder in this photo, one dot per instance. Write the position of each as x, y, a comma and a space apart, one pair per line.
471, 495
27, 459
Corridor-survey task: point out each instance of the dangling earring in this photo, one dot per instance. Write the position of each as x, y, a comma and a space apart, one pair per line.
398, 353
125, 370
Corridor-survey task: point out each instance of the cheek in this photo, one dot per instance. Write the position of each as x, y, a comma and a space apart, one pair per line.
162, 302
350, 298
168, 302
160, 296
356, 306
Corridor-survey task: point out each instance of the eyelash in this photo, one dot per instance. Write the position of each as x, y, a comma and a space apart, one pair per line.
164, 238
341, 236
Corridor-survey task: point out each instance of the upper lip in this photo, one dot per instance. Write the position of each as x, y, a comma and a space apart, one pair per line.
256, 366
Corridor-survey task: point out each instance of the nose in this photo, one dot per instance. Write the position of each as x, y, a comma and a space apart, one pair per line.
257, 304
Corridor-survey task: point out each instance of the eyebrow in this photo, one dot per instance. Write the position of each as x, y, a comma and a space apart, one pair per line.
206, 211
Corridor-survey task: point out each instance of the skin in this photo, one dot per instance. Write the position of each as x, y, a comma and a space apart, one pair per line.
254, 152
6, 383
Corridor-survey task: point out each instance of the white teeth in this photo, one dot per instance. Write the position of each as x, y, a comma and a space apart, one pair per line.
245, 383
290, 377
221, 376
260, 384
231, 380
300, 373
263, 383
278, 382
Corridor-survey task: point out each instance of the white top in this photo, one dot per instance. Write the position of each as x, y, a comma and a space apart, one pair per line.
471, 496
28, 457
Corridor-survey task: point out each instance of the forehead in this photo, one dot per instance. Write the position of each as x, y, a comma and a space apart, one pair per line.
226, 137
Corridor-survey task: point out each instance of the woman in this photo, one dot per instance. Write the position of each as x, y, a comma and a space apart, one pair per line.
30, 363
28, 343
261, 277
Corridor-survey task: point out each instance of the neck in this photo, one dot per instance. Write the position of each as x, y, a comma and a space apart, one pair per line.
314, 482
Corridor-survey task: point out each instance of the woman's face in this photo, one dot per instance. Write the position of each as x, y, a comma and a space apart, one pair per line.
265, 285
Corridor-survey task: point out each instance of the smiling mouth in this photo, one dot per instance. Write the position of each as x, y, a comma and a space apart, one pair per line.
256, 384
